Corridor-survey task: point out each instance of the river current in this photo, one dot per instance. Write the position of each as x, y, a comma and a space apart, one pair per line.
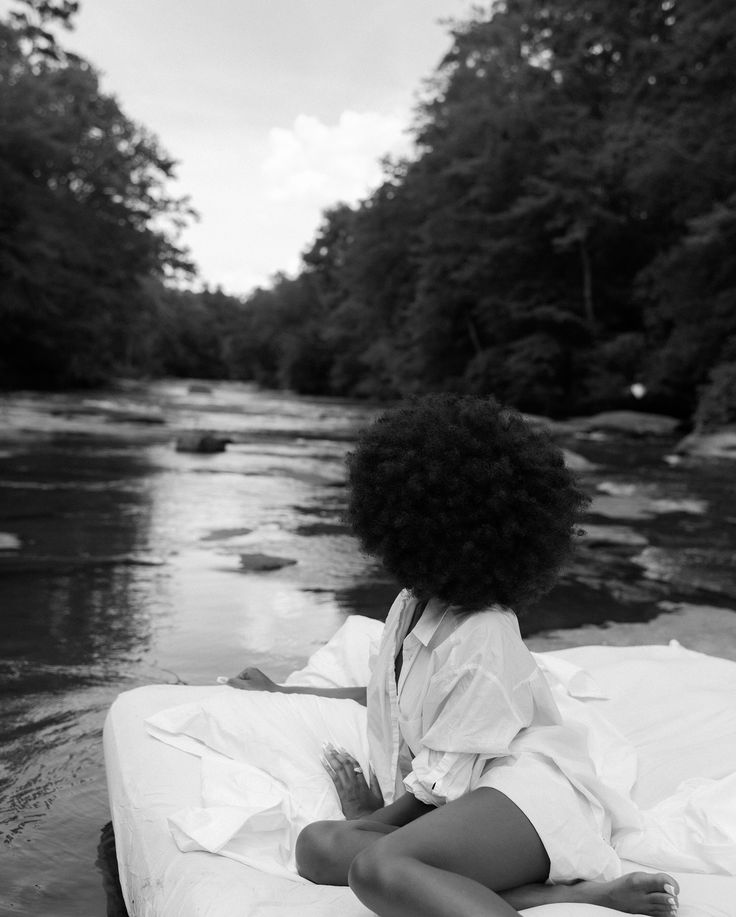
124, 562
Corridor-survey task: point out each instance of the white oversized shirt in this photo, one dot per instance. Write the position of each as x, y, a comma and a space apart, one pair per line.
468, 687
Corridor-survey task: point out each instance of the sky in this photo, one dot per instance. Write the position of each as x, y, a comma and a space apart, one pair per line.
274, 109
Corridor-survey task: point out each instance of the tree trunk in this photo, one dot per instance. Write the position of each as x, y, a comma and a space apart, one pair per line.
587, 284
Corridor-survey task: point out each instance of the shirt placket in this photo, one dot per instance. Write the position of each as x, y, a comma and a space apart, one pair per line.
410, 654
391, 690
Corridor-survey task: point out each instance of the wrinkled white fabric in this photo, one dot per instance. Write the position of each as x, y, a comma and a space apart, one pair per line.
261, 776
473, 709
261, 779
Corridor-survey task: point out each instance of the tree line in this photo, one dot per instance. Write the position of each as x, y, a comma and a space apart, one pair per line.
564, 231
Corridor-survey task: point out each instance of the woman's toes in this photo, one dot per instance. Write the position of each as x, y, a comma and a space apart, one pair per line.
665, 882
652, 882
670, 885
662, 899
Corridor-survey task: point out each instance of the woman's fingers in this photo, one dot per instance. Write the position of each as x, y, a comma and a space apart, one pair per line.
240, 683
250, 679
343, 767
333, 765
251, 673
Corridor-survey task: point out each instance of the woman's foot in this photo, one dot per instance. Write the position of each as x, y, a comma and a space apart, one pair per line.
357, 798
653, 894
636, 893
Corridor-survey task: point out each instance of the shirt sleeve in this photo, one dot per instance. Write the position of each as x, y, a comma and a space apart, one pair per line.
470, 714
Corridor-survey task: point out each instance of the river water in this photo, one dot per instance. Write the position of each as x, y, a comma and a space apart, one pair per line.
124, 562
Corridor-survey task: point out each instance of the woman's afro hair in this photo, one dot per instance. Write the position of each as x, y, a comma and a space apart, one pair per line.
462, 499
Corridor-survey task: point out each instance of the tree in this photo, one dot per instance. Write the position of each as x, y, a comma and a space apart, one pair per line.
564, 230
85, 215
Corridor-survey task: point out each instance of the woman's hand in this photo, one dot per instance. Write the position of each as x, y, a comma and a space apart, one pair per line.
250, 679
357, 798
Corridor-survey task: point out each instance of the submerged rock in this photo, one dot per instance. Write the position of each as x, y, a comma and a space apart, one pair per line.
206, 443
254, 563
626, 500
704, 628
612, 534
9, 542
223, 534
631, 423
690, 569
719, 444
577, 462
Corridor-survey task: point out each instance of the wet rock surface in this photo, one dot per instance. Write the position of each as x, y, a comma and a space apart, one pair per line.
258, 563
9, 542
205, 443
225, 534
601, 535
629, 423
720, 444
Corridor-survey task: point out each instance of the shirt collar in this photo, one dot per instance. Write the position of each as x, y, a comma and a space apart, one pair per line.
432, 616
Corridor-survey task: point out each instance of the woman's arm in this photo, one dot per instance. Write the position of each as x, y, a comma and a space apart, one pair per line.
362, 798
254, 680
357, 694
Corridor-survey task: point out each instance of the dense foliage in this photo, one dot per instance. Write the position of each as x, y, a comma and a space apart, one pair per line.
85, 217
565, 229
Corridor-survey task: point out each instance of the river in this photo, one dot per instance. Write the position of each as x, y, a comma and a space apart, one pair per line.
125, 562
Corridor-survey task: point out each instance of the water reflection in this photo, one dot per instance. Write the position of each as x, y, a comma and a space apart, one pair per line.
121, 566
76, 598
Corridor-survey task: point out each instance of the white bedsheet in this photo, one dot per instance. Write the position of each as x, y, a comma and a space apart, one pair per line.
677, 708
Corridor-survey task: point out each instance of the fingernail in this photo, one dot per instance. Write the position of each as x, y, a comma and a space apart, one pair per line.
222, 679
670, 889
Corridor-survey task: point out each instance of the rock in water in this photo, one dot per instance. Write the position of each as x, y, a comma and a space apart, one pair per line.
254, 563
719, 444
9, 542
224, 534
631, 423
577, 462
595, 535
201, 442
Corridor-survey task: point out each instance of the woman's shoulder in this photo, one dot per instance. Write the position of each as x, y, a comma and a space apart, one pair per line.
489, 630
492, 618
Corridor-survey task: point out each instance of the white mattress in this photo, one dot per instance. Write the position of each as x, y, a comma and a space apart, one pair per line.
677, 707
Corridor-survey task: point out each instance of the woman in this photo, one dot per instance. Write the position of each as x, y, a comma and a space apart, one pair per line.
483, 801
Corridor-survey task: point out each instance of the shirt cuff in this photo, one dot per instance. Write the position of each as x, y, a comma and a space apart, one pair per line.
420, 792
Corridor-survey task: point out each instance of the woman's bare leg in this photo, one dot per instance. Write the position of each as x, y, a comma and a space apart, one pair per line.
479, 857
325, 850
452, 862
635, 893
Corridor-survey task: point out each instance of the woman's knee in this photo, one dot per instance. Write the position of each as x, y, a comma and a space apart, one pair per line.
315, 851
374, 875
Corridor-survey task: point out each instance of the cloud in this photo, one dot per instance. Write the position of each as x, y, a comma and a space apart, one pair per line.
317, 164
